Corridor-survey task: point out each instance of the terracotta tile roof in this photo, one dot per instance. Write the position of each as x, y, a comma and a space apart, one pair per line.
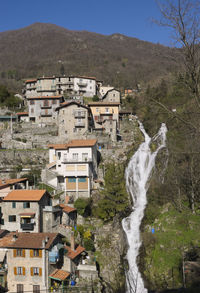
74, 143
27, 214
72, 254
59, 274
103, 104
44, 97
7, 182
66, 104
27, 240
24, 195
22, 113
67, 209
30, 80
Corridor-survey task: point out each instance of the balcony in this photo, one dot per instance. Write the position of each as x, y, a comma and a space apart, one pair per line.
71, 160
80, 114
79, 124
82, 84
46, 107
27, 227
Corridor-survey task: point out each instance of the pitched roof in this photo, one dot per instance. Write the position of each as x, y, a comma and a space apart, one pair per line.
25, 195
7, 182
103, 104
44, 97
59, 275
72, 254
69, 103
67, 209
27, 240
30, 80
74, 143
22, 113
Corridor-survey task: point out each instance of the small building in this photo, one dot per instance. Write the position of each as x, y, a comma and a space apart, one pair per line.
23, 116
30, 259
103, 90
73, 120
22, 210
43, 108
7, 185
112, 95
75, 166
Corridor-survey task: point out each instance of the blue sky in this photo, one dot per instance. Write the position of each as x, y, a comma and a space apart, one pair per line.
128, 17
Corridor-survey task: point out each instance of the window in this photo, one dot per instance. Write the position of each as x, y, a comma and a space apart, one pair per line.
20, 288
36, 288
82, 179
59, 155
32, 102
72, 179
107, 110
84, 156
32, 110
36, 271
12, 218
13, 205
97, 110
26, 205
19, 270
46, 103
54, 102
75, 156
19, 252
110, 129
36, 253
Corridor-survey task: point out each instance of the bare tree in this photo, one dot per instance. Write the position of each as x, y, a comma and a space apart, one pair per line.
183, 17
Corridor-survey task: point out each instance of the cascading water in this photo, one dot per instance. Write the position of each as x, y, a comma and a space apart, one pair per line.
137, 177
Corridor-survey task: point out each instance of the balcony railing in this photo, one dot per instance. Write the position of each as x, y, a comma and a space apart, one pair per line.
27, 227
79, 124
79, 114
82, 84
71, 160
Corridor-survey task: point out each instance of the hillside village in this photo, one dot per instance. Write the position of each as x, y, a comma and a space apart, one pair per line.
71, 126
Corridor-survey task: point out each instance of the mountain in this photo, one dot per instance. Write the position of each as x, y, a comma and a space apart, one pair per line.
43, 49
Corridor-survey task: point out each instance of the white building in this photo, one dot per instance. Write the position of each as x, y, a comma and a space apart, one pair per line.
75, 166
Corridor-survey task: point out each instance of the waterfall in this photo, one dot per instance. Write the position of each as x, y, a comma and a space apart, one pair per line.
137, 177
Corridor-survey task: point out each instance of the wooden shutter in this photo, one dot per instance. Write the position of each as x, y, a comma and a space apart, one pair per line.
23, 252
40, 272
31, 253
15, 271
40, 253
24, 270
15, 252
31, 271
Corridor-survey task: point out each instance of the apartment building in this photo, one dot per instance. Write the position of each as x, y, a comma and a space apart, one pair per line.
75, 166
106, 117
73, 120
22, 210
43, 108
52, 86
29, 260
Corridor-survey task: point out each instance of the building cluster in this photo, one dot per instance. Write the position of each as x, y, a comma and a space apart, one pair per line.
60, 100
37, 247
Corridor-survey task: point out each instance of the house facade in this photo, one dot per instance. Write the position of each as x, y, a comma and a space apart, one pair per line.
30, 260
75, 164
43, 108
22, 210
59, 85
73, 120
112, 96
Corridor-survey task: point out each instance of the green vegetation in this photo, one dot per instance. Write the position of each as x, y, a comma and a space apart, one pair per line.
7, 99
114, 198
34, 177
83, 206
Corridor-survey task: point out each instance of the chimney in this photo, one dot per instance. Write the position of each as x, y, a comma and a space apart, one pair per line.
14, 237
72, 241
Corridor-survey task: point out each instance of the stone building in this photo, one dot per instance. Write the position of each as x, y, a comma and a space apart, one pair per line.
112, 96
22, 210
30, 259
73, 120
42, 109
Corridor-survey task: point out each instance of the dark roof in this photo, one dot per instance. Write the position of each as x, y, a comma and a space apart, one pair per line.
28, 240
67, 104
